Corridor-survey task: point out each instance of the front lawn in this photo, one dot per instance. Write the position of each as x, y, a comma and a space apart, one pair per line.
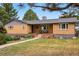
45, 47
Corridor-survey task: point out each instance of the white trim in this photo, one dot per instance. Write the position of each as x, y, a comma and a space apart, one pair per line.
60, 26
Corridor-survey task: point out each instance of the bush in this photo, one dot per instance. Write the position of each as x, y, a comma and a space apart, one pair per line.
8, 38
2, 39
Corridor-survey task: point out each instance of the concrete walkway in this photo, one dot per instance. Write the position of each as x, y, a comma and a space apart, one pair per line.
6, 45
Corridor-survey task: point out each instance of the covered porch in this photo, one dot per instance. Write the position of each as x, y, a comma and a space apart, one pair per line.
43, 30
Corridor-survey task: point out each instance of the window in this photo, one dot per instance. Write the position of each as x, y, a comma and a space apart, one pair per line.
63, 26
10, 27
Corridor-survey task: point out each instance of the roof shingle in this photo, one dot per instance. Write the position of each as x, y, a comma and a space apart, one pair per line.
52, 21
49, 21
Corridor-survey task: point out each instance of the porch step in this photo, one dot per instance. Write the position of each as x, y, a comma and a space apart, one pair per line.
44, 35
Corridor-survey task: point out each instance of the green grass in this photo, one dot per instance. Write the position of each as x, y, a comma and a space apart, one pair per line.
43, 47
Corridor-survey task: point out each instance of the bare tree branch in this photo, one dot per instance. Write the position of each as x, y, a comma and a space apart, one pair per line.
56, 8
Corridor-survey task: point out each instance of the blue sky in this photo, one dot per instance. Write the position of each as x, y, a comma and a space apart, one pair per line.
40, 13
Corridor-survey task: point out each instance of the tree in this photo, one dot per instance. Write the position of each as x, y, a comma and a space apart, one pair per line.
71, 12
30, 15
7, 12
2, 29
3, 15
72, 8
2, 34
52, 6
58, 7
69, 16
55, 6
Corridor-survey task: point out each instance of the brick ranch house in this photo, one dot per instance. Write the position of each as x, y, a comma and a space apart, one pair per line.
62, 27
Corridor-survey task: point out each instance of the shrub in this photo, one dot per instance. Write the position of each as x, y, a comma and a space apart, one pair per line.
8, 38
2, 39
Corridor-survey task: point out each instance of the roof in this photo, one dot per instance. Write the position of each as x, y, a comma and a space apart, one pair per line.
16, 21
49, 21
61, 20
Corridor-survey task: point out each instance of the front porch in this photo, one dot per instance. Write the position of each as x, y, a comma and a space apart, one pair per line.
42, 29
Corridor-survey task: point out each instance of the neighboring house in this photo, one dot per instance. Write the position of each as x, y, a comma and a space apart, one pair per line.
63, 27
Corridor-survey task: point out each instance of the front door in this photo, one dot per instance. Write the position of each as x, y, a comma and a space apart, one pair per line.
44, 28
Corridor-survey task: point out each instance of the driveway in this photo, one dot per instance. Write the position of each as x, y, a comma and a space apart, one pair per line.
6, 45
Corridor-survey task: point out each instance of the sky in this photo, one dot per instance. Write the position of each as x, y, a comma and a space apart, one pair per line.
40, 13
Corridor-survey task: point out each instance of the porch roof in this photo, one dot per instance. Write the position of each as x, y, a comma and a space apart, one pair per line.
61, 20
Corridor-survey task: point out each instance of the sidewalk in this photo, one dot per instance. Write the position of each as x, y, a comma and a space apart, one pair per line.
6, 45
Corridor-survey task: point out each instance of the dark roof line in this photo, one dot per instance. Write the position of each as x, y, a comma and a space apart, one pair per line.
60, 20
15, 20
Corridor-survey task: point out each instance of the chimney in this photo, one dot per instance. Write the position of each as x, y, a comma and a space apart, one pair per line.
44, 18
